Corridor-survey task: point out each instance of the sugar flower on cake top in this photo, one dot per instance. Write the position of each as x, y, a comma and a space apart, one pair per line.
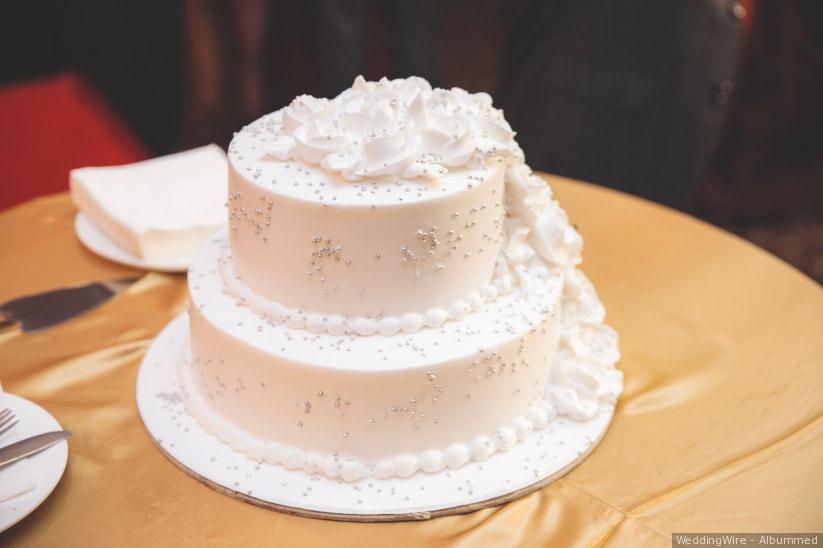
400, 128
405, 129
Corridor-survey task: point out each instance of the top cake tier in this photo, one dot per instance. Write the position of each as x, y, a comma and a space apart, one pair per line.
387, 200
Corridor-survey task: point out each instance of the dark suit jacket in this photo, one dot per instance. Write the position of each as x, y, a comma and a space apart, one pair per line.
624, 93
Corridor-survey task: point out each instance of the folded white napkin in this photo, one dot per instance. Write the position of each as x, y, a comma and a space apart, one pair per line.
18, 478
160, 208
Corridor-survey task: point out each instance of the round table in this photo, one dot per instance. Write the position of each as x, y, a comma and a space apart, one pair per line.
718, 430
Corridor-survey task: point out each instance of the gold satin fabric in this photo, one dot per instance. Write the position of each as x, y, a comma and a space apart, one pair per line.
718, 429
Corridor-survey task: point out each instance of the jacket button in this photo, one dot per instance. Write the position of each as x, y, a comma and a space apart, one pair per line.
737, 10
720, 97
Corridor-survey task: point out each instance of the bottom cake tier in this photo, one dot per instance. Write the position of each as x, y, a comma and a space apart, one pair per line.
353, 406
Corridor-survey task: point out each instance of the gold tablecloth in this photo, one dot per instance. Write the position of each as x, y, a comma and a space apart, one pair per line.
718, 430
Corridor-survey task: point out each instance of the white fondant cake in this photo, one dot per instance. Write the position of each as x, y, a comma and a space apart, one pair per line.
396, 291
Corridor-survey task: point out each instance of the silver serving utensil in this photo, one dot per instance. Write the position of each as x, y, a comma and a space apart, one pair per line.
29, 446
43, 310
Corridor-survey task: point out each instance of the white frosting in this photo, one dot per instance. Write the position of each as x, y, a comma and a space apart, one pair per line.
391, 324
367, 398
336, 324
350, 469
400, 128
584, 376
392, 242
368, 250
351, 464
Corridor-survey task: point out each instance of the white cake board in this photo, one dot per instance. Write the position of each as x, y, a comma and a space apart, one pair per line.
545, 456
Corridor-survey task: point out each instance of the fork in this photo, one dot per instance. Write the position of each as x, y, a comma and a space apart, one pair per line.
7, 420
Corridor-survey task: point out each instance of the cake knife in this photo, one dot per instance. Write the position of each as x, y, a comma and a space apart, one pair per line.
29, 446
43, 310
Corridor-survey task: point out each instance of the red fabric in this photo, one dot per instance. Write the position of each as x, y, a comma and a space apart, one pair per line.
50, 126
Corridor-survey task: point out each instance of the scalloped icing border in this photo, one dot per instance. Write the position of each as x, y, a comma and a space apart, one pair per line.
337, 324
335, 466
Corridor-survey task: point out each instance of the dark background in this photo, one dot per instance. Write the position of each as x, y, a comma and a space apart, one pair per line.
713, 107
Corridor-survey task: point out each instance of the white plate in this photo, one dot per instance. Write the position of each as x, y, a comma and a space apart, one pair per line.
529, 465
48, 464
97, 242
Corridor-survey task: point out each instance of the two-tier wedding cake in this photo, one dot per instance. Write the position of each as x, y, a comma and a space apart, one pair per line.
396, 292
